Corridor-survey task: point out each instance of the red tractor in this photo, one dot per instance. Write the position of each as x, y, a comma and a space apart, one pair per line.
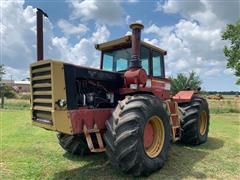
125, 108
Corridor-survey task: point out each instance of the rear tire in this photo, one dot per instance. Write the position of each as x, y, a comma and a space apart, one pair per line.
195, 121
74, 144
126, 144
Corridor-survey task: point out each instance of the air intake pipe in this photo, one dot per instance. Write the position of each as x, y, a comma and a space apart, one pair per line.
40, 15
135, 76
136, 40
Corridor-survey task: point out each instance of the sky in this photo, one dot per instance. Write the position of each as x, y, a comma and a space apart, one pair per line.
189, 30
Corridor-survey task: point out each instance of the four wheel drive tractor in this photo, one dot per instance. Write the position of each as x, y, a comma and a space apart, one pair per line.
124, 108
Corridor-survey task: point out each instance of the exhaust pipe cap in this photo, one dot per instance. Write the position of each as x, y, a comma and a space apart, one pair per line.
136, 25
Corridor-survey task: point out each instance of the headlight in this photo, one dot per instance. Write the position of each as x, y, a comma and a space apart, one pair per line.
134, 86
62, 102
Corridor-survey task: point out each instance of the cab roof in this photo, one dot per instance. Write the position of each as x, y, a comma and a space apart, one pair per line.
123, 42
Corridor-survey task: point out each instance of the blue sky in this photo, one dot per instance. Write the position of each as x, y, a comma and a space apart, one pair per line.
189, 30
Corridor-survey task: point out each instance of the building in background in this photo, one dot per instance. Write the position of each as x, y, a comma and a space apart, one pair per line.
18, 86
22, 86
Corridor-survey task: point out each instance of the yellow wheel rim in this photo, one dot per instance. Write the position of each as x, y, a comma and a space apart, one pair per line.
154, 136
203, 122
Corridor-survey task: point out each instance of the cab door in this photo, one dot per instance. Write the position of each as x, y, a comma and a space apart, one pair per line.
153, 63
157, 65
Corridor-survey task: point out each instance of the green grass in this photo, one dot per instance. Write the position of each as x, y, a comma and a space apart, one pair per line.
16, 104
224, 110
227, 105
33, 153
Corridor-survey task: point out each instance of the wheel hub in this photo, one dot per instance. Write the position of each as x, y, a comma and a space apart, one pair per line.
203, 122
154, 136
148, 135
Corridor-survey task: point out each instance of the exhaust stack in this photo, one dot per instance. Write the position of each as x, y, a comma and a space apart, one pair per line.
136, 40
40, 15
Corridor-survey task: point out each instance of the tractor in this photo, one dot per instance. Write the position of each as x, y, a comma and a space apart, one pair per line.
125, 108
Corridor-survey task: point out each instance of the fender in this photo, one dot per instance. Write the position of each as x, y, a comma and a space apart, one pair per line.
183, 96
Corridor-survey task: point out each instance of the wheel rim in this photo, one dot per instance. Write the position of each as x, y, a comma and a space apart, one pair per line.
203, 122
154, 135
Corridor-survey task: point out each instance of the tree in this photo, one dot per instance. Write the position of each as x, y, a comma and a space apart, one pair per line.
9, 92
232, 52
182, 82
2, 72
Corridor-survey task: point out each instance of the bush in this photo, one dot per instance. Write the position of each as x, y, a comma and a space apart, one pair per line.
17, 104
185, 82
9, 92
24, 96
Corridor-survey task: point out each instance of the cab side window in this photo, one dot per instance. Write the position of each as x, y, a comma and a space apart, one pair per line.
157, 64
116, 60
122, 64
108, 62
144, 57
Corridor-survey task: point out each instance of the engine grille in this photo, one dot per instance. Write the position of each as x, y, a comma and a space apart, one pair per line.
42, 100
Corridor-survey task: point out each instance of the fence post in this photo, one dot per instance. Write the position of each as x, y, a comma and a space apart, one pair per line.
2, 94
2, 100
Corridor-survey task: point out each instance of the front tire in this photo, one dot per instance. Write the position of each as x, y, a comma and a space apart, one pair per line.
138, 135
74, 144
195, 121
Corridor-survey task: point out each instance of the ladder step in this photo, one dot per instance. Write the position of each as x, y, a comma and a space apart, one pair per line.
177, 138
175, 127
89, 139
93, 131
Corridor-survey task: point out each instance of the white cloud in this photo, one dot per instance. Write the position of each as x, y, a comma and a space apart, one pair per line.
18, 34
194, 43
190, 47
186, 8
133, 1
157, 30
83, 52
104, 12
128, 33
12, 73
154, 42
18, 29
229, 71
139, 21
127, 19
101, 35
70, 29
227, 11
212, 72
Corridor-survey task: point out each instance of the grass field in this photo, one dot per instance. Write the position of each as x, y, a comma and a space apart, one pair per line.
230, 104
16, 104
32, 153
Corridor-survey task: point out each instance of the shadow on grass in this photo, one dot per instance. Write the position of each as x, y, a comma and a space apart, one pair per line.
94, 166
212, 144
180, 164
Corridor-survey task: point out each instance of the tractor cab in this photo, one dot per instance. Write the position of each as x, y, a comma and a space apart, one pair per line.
117, 54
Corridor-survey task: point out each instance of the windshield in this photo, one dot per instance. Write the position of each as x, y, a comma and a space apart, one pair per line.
116, 60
